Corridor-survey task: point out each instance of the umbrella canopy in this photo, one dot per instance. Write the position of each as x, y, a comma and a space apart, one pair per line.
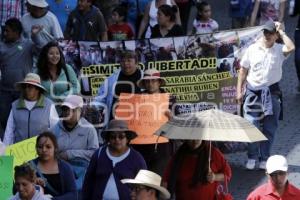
212, 125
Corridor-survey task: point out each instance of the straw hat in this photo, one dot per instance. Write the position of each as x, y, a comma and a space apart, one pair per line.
118, 125
150, 74
38, 3
32, 79
149, 179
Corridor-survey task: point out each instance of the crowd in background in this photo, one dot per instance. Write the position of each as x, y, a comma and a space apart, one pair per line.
40, 96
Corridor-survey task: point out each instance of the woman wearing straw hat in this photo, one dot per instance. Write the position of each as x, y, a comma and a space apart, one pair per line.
111, 163
156, 151
146, 186
190, 174
31, 114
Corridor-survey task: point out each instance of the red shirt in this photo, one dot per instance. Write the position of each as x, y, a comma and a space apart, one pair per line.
120, 32
186, 172
266, 192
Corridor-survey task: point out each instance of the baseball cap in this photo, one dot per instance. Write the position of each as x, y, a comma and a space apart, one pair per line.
269, 26
73, 101
276, 163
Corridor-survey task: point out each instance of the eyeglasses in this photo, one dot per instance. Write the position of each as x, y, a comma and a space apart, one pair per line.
278, 173
115, 136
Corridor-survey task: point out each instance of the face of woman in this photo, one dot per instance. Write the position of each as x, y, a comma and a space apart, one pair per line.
162, 19
118, 141
31, 92
53, 56
194, 144
152, 85
45, 149
25, 187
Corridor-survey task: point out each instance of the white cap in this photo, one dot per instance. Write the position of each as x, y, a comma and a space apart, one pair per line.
276, 163
73, 101
38, 3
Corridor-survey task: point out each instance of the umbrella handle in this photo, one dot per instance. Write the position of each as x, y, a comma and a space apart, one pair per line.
209, 157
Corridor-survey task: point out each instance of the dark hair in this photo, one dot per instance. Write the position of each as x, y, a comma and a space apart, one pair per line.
26, 171
200, 7
122, 11
201, 169
129, 54
42, 63
169, 11
53, 139
15, 25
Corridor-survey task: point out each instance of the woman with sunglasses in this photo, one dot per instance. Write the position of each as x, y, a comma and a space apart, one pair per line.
113, 161
31, 114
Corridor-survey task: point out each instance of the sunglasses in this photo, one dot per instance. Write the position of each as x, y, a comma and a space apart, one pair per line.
115, 136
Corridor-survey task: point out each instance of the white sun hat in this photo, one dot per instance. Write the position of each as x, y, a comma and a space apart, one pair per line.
38, 3
149, 179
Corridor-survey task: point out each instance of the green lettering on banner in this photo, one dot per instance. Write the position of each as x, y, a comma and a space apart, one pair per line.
6, 176
22, 151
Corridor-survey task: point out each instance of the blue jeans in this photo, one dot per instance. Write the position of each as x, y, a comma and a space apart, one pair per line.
6, 99
297, 53
268, 125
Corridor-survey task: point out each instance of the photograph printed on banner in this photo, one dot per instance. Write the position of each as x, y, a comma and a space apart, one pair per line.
111, 51
143, 51
226, 65
163, 49
70, 50
90, 53
196, 46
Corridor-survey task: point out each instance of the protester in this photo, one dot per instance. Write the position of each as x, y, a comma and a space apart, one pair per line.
58, 78
39, 16
267, 10
86, 22
62, 9
32, 113
114, 161
278, 186
150, 17
120, 29
77, 138
190, 175
25, 184
106, 8
156, 151
11, 9
53, 174
123, 80
166, 27
203, 22
295, 11
146, 185
15, 62
240, 12
261, 70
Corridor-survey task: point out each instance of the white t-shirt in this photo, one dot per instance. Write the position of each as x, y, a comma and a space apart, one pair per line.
111, 190
264, 64
205, 27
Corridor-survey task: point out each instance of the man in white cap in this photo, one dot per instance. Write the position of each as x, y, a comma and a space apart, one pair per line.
39, 16
278, 186
258, 87
76, 137
147, 186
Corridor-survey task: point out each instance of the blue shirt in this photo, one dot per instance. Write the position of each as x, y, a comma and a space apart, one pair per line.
62, 9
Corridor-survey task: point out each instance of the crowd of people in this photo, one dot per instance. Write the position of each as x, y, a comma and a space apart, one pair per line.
40, 95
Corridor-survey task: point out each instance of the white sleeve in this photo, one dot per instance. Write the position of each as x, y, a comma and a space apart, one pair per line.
245, 62
9, 131
56, 29
53, 117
